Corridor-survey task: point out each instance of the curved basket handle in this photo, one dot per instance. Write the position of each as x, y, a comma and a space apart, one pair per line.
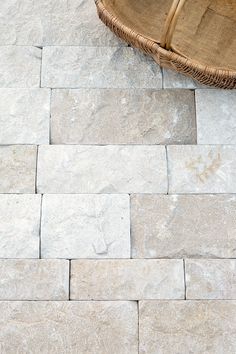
170, 23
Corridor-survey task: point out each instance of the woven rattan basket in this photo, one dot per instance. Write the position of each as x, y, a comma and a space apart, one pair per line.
193, 37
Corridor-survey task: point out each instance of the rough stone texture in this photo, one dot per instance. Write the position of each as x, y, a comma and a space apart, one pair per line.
187, 327
24, 116
53, 22
19, 226
69, 327
85, 226
111, 116
104, 67
102, 169
202, 169
211, 279
34, 279
20, 66
216, 116
182, 226
174, 80
127, 279
17, 169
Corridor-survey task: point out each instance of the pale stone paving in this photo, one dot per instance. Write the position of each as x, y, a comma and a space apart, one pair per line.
110, 242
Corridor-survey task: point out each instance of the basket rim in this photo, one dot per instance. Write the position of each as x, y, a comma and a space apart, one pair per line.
154, 48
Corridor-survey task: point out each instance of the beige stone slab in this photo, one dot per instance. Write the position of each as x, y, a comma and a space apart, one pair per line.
69, 327
180, 226
20, 67
211, 279
216, 116
85, 226
113, 116
31, 279
102, 169
187, 327
24, 116
17, 168
127, 279
98, 67
175, 80
53, 22
19, 226
202, 169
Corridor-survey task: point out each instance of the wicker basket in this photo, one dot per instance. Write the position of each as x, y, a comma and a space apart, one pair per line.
193, 37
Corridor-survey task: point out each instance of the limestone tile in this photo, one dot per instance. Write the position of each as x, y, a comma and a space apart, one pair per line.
17, 168
24, 116
202, 169
53, 22
33, 279
19, 226
19, 67
98, 67
69, 327
85, 226
102, 169
216, 116
211, 279
113, 116
187, 327
127, 279
180, 226
174, 80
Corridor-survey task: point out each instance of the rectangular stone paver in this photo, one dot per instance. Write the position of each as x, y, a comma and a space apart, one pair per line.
202, 169
34, 279
20, 66
211, 279
17, 168
69, 327
102, 169
19, 226
112, 116
216, 116
186, 327
24, 116
127, 279
85, 226
179, 226
98, 67
53, 22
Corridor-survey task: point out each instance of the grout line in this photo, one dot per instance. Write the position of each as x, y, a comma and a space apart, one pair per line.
130, 228
41, 66
36, 171
195, 112
138, 328
185, 285
40, 226
168, 171
50, 118
69, 282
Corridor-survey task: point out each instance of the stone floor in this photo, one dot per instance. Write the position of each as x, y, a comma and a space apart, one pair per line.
117, 194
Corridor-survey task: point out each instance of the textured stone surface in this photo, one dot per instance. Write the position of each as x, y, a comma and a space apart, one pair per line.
174, 80
34, 279
211, 279
17, 169
69, 327
111, 116
104, 67
187, 327
181, 226
53, 22
202, 169
102, 169
85, 226
20, 66
24, 116
216, 116
127, 279
19, 226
